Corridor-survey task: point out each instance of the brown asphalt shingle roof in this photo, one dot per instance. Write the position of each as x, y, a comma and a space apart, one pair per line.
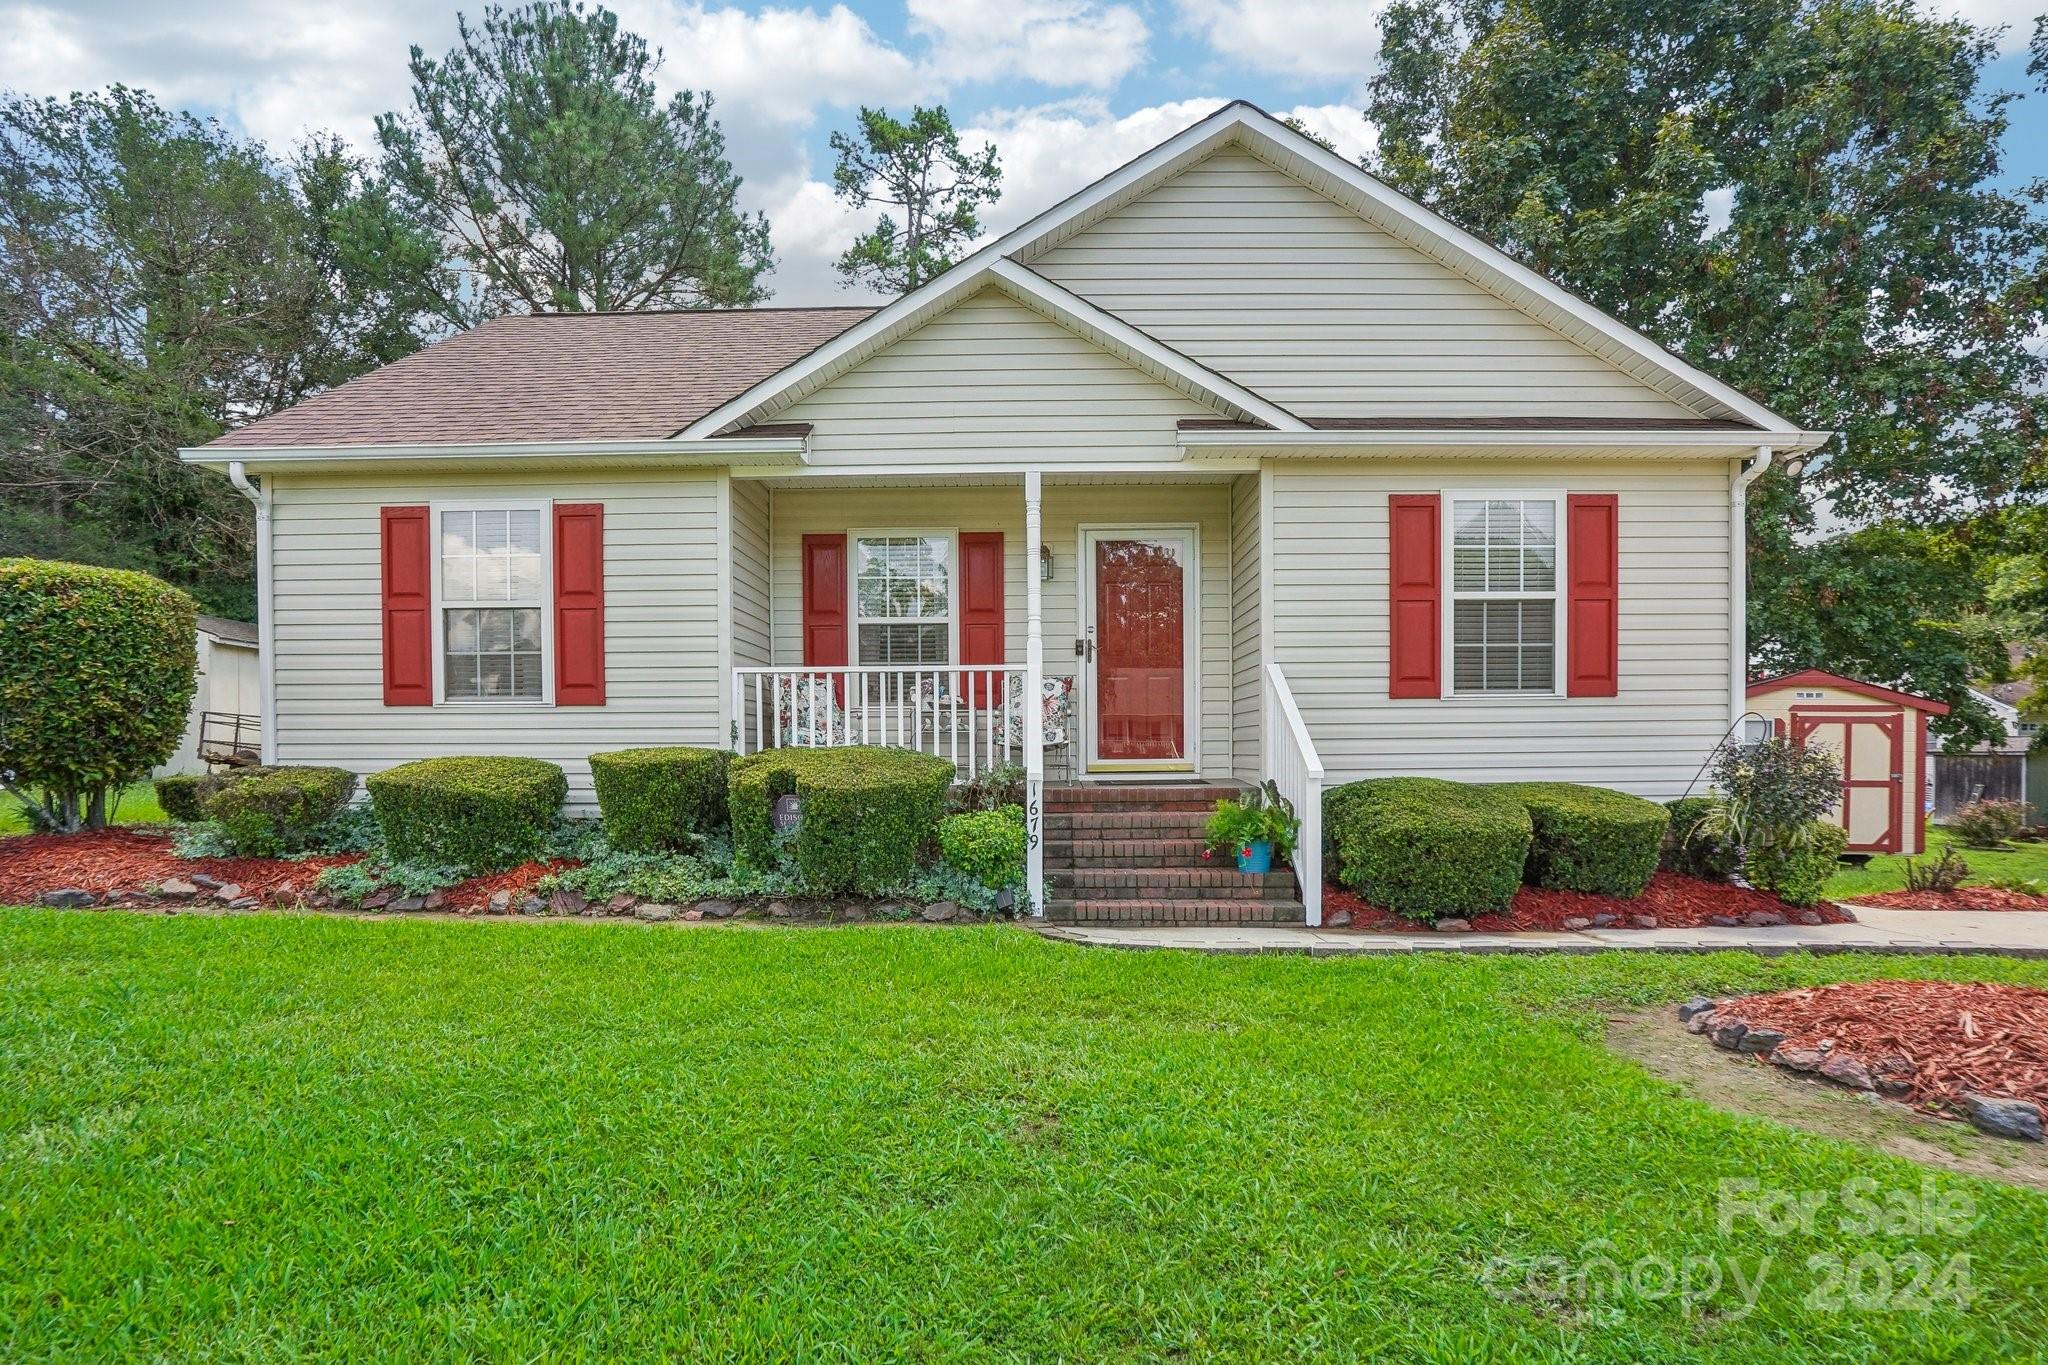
557, 377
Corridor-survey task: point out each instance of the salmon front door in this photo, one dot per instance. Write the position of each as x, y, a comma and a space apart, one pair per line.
1871, 749
1138, 612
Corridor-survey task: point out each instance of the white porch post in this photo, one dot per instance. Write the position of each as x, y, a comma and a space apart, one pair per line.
1034, 703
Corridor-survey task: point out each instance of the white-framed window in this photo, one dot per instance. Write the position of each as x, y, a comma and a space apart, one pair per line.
1504, 567
492, 625
903, 590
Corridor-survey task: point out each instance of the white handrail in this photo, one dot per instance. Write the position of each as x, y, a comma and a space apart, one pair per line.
964, 713
1297, 771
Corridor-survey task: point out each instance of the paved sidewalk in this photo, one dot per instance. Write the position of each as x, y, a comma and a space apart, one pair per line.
2010, 933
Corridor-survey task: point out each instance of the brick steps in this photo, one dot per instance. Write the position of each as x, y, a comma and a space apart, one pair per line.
1132, 854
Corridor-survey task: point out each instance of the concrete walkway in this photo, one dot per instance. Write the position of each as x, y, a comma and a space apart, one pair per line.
2009, 933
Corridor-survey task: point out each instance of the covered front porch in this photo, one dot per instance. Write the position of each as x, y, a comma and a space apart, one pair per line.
922, 612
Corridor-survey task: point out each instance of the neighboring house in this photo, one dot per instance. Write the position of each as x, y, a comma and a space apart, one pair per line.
1259, 468
225, 723
2015, 768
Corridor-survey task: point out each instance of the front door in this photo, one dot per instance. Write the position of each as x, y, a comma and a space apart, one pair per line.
1871, 749
1138, 615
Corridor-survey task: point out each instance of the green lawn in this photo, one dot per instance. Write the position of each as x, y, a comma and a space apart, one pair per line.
137, 806
1884, 873
284, 1136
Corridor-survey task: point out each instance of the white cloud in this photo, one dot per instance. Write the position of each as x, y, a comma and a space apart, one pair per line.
2015, 16
1054, 42
1283, 37
1052, 150
1343, 126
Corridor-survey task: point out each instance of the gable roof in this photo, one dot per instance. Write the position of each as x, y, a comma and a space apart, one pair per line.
555, 377
1245, 125
1814, 677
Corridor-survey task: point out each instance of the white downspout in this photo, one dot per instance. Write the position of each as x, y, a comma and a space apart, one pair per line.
266, 627
1738, 579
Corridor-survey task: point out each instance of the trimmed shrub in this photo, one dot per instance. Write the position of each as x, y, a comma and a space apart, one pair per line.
1590, 839
1798, 868
1426, 848
95, 679
267, 811
987, 845
183, 796
660, 798
868, 813
475, 814
1691, 847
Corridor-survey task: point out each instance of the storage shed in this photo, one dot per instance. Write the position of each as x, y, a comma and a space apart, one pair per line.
1881, 737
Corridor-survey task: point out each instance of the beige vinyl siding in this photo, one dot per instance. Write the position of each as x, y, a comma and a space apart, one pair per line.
661, 584
1247, 693
1329, 608
752, 628
1259, 277
1064, 509
992, 380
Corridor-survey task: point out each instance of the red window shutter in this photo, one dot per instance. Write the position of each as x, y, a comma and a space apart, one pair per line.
981, 603
825, 600
1414, 595
1593, 599
579, 604
407, 557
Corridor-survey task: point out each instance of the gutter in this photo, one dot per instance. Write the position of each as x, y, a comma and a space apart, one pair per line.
714, 452
1482, 442
266, 616
1738, 583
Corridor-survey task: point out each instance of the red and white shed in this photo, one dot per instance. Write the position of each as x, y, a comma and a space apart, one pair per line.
1881, 737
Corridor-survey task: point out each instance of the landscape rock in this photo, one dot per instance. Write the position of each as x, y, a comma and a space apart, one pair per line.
435, 899
1798, 1058
244, 903
567, 902
408, 904
378, 899
500, 902
940, 912
1765, 919
1843, 1069
177, 889
1729, 1035
67, 898
1577, 922
1760, 1040
715, 909
1643, 921
780, 910
1810, 917
621, 903
853, 913
1700, 1023
1603, 920
2005, 1117
1454, 926
1724, 921
693, 914
232, 891
1694, 1008
1339, 919
204, 882
533, 905
656, 912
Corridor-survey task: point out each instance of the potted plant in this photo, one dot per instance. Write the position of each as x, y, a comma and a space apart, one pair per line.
1253, 827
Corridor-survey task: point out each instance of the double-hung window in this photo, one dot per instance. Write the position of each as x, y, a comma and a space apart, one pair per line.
490, 607
1504, 593
903, 598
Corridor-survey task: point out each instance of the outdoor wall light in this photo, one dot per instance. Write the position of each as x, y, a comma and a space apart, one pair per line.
1045, 563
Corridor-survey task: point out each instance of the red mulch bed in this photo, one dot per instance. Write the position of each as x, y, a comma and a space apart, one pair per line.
130, 859
1675, 901
1941, 1039
476, 893
1965, 898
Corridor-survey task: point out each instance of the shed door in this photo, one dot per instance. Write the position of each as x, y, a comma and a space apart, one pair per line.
1872, 750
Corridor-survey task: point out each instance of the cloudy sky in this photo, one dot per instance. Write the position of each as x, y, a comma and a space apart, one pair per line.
1066, 89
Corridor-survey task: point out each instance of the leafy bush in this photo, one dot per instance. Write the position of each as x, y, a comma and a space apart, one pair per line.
95, 680
992, 789
1945, 873
183, 796
1693, 849
1260, 815
1426, 848
474, 814
1590, 839
268, 811
1797, 867
868, 813
986, 846
660, 798
1988, 824
1771, 791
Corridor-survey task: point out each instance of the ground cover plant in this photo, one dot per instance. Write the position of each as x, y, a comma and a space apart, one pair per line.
290, 1136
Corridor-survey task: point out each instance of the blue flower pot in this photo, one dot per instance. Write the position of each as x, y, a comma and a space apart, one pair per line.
1256, 856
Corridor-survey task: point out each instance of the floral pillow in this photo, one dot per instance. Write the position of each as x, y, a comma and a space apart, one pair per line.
807, 711
1056, 695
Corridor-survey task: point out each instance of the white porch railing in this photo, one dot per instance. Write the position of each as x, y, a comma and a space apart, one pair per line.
971, 716
1294, 768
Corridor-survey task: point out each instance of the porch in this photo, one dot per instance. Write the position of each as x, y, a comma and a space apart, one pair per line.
923, 612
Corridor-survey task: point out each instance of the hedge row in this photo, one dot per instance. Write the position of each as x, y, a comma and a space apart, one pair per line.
1590, 838
262, 812
664, 798
472, 814
868, 813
